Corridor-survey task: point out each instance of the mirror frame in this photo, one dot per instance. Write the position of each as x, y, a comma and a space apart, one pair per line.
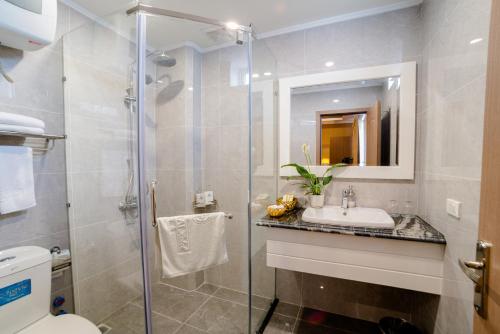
405, 170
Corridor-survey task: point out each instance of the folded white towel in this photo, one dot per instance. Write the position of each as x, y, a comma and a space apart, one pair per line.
192, 243
17, 185
23, 129
15, 119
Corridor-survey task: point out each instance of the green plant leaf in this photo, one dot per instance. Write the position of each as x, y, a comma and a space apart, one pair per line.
332, 167
301, 170
327, 179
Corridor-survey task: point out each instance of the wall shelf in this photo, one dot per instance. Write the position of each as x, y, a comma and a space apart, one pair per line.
31, 135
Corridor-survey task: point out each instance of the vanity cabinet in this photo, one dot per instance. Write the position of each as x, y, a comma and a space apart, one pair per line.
409, 257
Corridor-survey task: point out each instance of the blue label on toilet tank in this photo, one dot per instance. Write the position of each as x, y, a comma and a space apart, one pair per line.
15, 291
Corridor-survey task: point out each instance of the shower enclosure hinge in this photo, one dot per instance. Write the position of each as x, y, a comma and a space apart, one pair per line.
68, 204
64, 78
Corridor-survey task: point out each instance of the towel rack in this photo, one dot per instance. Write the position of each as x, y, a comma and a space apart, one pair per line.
48, 138
31, 135
153, 205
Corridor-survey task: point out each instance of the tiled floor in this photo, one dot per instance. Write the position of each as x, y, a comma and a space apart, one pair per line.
209, 309
289, 318
212, 309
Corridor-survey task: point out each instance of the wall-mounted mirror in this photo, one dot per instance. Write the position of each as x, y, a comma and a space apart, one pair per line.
362, 117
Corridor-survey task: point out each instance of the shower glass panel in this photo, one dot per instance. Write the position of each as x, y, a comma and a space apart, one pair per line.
101, 153
264, 171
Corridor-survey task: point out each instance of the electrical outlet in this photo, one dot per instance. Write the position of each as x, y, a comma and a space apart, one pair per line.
453, 207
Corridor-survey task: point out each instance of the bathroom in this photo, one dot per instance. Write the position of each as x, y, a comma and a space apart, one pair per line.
124, 127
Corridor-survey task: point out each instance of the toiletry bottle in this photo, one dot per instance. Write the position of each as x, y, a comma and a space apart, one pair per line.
351, 198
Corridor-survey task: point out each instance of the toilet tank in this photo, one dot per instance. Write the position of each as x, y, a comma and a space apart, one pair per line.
25, 279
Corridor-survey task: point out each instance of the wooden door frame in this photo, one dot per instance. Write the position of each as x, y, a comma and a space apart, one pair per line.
489, 212
319, 128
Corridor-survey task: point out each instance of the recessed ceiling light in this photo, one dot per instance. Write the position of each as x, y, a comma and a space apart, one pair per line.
255, 75
232, 25
190, 88
336, 101
329, 63
476, 40
267, 74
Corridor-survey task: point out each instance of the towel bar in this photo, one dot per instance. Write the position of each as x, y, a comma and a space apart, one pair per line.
29, 135
47, 146
153, 205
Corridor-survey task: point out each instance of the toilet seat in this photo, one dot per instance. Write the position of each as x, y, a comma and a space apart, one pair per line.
63, 324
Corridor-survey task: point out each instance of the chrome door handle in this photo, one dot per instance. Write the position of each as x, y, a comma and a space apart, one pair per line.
477, 272
469, 270
474, 264
153, 203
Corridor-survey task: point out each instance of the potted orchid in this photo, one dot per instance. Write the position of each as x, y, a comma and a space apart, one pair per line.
314, 184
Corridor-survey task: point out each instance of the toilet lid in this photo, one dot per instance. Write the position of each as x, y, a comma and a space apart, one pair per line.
68, 323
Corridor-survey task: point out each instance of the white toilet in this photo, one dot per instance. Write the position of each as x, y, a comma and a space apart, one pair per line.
25, 280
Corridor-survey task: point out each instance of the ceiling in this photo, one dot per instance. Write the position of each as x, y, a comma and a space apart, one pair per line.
269, 17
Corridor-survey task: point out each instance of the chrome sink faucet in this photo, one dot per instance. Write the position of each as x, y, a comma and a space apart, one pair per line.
348, 198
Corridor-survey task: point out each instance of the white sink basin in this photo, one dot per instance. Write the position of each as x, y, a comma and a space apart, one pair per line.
355, 217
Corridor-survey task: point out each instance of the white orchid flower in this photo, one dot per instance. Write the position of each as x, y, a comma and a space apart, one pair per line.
305, 148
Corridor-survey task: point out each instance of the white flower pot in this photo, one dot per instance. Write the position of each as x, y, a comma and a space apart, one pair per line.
316, 201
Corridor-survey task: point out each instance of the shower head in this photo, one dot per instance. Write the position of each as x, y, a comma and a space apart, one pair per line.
161, 58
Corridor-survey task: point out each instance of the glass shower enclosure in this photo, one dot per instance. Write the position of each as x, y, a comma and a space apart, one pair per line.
166, 118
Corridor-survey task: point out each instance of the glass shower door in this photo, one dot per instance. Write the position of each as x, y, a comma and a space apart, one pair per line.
100, 120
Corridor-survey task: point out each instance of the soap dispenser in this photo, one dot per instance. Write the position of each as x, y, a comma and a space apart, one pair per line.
351, 198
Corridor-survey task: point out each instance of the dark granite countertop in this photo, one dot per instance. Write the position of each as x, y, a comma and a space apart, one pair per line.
413, 229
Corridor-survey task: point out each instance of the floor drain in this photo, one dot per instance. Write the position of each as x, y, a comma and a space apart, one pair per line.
104, 328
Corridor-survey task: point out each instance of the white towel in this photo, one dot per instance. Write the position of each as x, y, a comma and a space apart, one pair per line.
191, 243
17, 185
15, 119
23, 129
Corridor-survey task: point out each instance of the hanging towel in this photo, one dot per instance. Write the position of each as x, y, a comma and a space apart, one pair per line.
17, 186
191, 243
15, 119
23, 129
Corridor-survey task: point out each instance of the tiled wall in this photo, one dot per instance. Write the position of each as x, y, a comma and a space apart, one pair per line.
37, 91
345, 297
225, 166
375, 40
225, 156
450, 116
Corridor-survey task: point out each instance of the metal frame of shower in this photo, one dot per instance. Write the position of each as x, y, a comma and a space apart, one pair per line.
142, 11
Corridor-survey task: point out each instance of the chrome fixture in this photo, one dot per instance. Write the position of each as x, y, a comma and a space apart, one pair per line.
347, 196
32, 140
153, 202
477, 271
140, 7
161, 58
345, 199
